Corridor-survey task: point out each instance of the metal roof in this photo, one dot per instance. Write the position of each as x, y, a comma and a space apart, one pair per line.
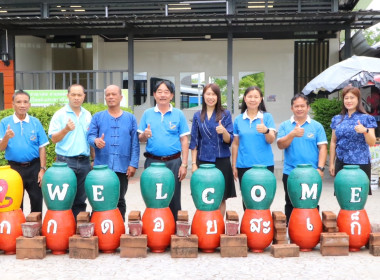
267, 19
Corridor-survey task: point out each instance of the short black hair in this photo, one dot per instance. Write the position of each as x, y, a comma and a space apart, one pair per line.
299, 95
19, 92
168, 84
76, 85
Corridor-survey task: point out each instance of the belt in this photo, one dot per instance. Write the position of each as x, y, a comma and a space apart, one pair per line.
164, 158
24, 164
76, 157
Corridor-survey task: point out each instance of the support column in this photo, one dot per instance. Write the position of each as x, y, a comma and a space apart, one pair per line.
229, 72
131, 70
347, 43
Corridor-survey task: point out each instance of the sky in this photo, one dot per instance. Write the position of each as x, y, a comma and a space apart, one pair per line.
375, 5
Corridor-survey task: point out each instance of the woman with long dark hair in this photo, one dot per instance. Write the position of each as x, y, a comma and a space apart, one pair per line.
254, 132
211, 138
353, 131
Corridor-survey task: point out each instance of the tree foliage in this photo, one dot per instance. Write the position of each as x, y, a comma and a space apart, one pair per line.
372, 36
323, 111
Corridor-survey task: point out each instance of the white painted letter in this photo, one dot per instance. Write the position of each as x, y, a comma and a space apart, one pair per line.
97, 192
255, 225
159, 192
262, 193
54, 224
355, 195
309, 225
159, 224
209, 227
57, 191
7, 224
107, 225
307, 193
205, 193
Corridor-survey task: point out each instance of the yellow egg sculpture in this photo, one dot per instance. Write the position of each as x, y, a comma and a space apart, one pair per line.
11, 189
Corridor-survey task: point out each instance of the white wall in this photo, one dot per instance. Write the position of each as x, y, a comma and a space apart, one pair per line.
32, 54
169, 58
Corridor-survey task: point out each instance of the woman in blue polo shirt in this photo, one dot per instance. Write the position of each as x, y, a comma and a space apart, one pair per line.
254, 132
211, 138
353, 130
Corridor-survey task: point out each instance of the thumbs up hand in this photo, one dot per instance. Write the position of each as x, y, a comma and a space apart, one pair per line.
99, 142
70, 126
9, 133
298, 130
261, 128
148, 132
220, 128
359, 128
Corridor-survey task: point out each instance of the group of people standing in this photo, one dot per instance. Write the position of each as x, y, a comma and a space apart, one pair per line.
112, 137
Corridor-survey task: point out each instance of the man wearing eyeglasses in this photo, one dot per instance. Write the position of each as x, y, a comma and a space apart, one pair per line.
165, 131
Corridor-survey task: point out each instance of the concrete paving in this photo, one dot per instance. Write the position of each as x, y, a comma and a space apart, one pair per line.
309, 265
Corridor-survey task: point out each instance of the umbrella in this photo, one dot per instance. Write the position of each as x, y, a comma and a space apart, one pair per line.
358, 71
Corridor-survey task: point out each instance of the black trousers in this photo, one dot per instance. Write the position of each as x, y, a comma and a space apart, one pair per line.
123, 190
173, 165
81, 167
241, 172
29, 175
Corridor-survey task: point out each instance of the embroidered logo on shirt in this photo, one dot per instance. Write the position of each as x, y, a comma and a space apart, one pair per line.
33, 138
172, 126
310, 135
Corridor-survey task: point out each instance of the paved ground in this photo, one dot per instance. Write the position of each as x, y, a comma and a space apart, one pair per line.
310, 265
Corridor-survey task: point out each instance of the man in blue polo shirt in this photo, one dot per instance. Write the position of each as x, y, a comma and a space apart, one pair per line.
68, 129
113, 134
24, 139
304, 141
165, 130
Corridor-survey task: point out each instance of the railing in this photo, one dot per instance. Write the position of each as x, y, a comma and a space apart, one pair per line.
94, 81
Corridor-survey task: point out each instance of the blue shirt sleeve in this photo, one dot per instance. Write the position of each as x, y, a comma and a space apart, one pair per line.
183, 127
135, 153
93, 130
194, 132
2, 129
268, 121
334, 121
236, 126
42, 138
370, 122
321, 136
142, 124
228, 125
281, 131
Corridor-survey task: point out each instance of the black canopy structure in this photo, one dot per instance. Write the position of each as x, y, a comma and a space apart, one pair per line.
192, 20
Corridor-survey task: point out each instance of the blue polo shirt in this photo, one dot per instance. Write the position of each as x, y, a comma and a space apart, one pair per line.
253, 148
207, 141
167, 129
75, 142
29, 138
302, 150
122, 144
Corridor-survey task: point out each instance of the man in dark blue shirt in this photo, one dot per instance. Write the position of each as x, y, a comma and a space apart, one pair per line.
113, 134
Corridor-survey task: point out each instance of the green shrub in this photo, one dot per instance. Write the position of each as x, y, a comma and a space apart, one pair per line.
44, 115
323, 111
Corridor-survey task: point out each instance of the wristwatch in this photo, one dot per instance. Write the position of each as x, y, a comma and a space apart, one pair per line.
321, 168
43, 167
266, 132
